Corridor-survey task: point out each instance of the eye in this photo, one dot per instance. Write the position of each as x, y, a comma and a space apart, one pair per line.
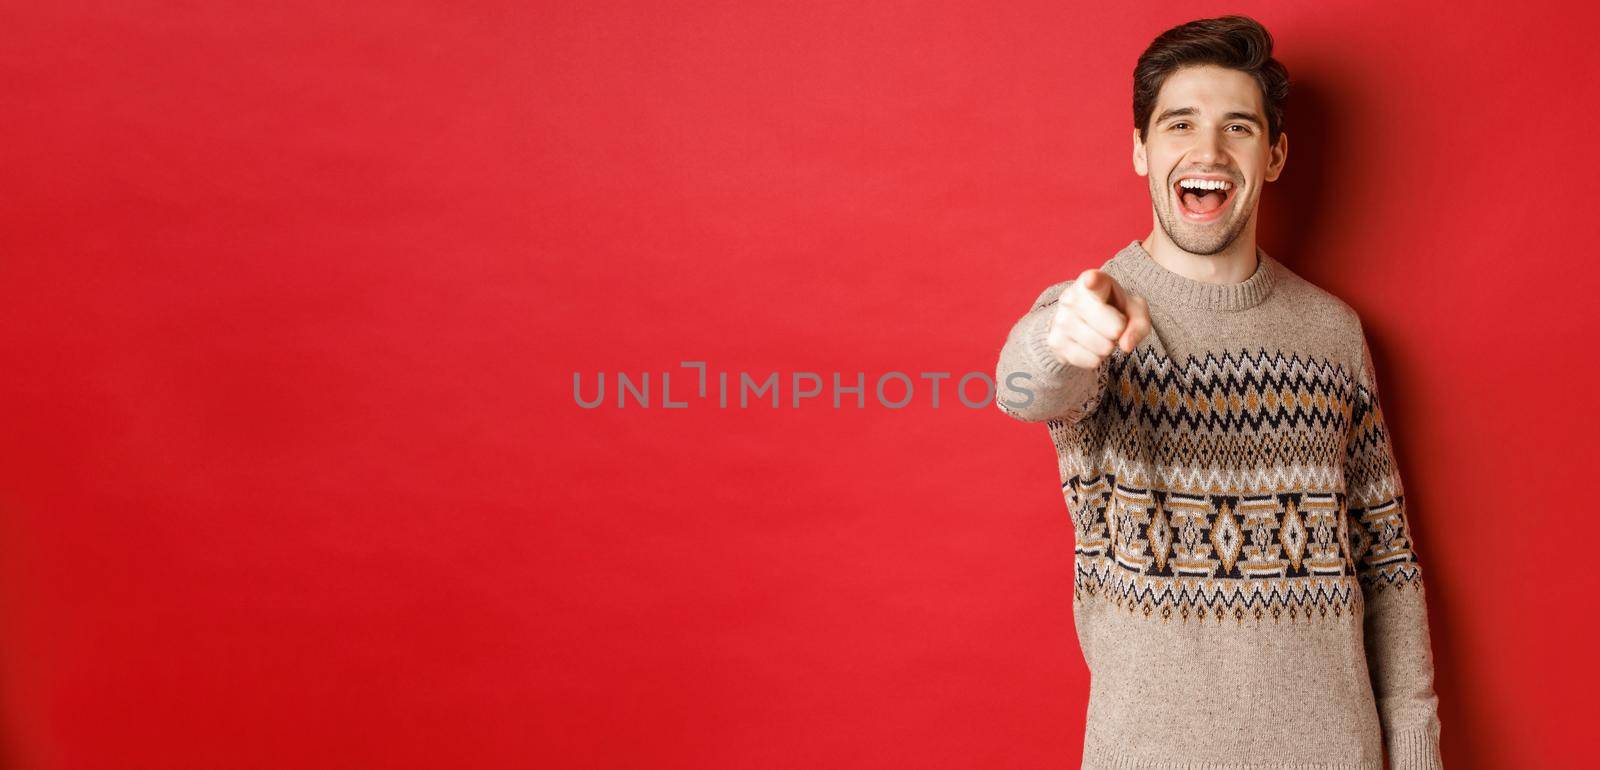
1242, 127
1177, 124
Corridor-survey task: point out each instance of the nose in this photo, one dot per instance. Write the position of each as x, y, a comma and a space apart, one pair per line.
1207, 148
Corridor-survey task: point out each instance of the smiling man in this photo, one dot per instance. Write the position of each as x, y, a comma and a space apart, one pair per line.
1247, 592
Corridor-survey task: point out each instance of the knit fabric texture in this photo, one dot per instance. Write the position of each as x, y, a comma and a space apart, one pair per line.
1247, 594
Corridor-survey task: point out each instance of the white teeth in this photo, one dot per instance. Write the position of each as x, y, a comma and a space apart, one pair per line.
1205, 184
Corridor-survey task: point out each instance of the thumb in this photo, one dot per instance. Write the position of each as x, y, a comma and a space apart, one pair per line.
1138, 326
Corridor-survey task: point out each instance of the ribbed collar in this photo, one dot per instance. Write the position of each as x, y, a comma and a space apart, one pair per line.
1157, 282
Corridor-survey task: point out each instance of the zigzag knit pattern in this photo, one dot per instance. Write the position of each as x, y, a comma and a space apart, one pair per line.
1223, 538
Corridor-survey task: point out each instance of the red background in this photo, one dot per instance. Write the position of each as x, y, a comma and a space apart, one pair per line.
292, 298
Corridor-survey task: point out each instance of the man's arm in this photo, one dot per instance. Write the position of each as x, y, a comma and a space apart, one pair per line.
1399, 653
1060, 391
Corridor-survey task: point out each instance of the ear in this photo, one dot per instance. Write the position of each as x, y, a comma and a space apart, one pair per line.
1141, 164
1277, 157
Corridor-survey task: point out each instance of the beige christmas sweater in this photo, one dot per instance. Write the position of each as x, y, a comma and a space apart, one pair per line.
1247, 594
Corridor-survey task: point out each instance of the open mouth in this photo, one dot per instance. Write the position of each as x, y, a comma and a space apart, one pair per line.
1203, 200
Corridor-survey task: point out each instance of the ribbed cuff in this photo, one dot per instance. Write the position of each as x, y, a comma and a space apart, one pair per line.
1038, 334
1416, 749
1071, 391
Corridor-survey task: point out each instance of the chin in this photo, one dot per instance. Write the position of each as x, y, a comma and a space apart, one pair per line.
1206, 240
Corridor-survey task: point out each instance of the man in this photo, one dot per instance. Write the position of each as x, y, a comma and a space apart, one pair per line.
1246, 591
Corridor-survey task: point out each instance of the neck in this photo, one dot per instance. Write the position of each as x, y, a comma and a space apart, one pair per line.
1233, 264
1163, 286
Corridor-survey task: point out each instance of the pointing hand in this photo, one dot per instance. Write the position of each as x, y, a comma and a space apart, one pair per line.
1095, 316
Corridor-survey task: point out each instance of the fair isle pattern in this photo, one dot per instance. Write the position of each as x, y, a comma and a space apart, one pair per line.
1384, 548
1376, 497
1241, 531
1200, 509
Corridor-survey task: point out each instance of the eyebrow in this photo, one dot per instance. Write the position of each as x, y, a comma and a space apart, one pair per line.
1184, 111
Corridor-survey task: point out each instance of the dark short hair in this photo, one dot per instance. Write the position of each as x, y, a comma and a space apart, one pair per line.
1235, 42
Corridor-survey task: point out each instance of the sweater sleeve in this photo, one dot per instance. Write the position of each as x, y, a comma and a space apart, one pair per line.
1399, 654
1031, 384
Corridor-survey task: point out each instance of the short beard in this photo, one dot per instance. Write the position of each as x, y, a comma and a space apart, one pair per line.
1173, 225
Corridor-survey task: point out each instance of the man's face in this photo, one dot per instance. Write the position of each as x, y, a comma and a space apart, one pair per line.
1209, 123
